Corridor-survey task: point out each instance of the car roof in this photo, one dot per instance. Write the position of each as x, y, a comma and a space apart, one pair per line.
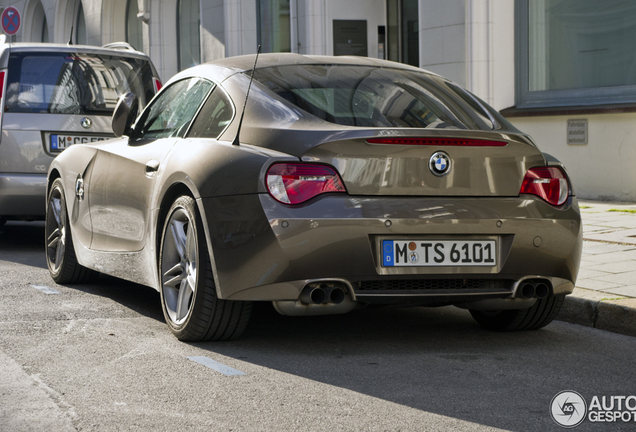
246, 62
221, 69
50, 47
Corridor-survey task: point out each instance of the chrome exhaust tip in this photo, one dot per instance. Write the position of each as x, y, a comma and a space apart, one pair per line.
541, 290
527, 291
336, 295
313, 295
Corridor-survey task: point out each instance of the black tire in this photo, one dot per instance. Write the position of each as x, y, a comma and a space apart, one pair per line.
60, 253
190, 305
539, 315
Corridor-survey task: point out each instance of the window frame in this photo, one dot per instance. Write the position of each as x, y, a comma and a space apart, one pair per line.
526, 99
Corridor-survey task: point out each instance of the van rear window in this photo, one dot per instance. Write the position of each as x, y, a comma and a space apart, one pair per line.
74, 83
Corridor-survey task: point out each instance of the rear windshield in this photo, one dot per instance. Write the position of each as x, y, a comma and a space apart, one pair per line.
73, 83
380, 97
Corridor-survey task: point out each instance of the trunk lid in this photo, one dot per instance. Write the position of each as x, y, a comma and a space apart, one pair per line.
371, 168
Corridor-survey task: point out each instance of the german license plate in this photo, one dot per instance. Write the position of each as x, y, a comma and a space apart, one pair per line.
438, 253
59, 142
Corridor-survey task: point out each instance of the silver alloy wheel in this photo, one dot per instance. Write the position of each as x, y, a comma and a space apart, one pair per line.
179, 266
56, 230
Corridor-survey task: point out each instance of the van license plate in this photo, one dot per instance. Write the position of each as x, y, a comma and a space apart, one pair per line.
60, 142
439, 253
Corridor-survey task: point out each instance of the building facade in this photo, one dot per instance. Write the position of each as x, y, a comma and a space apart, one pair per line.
563, 71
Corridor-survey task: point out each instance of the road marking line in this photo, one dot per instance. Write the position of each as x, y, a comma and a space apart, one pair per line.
215, 365
45, 289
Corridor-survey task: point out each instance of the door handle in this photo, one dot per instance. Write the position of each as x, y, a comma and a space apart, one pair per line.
152, 166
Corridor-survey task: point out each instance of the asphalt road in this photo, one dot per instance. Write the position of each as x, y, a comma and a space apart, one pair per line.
100, 357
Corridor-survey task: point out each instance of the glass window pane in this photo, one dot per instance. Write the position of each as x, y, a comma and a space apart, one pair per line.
74, 83
578, 44
80, 25
189, 37
133, 26
274, 25
171, 114
45, 31
372, 97
39, 28
393, 48
214, 117
410, 33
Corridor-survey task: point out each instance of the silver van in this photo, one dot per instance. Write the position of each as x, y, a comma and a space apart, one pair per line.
54, 96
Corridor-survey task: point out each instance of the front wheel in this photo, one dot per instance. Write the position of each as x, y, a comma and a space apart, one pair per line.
60, 254
538, 315
188, 293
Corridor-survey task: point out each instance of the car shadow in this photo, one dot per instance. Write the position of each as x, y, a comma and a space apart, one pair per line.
139, 298
435, 360
23, 243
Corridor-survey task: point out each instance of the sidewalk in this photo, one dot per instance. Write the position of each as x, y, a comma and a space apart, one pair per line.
605, 293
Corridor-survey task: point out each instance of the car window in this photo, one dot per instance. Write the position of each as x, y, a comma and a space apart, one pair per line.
215, 115
173, 110
74, 83
368, 96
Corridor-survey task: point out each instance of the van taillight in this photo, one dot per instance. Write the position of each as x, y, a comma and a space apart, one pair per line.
549, 183
157, 84
2, 75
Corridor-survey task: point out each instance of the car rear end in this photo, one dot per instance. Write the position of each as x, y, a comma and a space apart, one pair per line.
407, 190
54, 96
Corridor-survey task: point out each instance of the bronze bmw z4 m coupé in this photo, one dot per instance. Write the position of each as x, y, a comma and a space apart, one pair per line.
349, 181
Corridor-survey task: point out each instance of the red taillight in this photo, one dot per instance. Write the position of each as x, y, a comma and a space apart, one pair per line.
2, 77
438, 142
157, 84
549, 183
297, 183
2, 74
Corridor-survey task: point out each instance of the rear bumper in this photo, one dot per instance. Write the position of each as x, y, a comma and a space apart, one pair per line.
22, 195
337, 237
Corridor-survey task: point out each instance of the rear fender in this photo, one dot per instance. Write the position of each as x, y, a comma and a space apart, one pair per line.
214, 171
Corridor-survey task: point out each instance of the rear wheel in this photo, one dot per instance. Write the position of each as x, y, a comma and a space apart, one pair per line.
188, 292
539, 315
60, 254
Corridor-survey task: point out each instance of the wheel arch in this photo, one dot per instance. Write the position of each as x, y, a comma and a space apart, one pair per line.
53, 175
174, 191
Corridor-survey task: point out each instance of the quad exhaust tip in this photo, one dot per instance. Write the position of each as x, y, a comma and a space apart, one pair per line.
538, 290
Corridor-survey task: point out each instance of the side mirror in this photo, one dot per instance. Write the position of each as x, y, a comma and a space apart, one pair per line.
125, 114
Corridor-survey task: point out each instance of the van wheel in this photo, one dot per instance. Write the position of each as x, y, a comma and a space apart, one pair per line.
188, 293
538, 315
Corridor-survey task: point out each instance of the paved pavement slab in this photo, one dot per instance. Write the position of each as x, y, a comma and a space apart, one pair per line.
605, 293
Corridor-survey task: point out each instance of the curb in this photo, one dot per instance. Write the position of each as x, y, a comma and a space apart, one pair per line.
600, 310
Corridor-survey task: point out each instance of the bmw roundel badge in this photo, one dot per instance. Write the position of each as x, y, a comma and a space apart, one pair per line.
86, 122
440, 164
